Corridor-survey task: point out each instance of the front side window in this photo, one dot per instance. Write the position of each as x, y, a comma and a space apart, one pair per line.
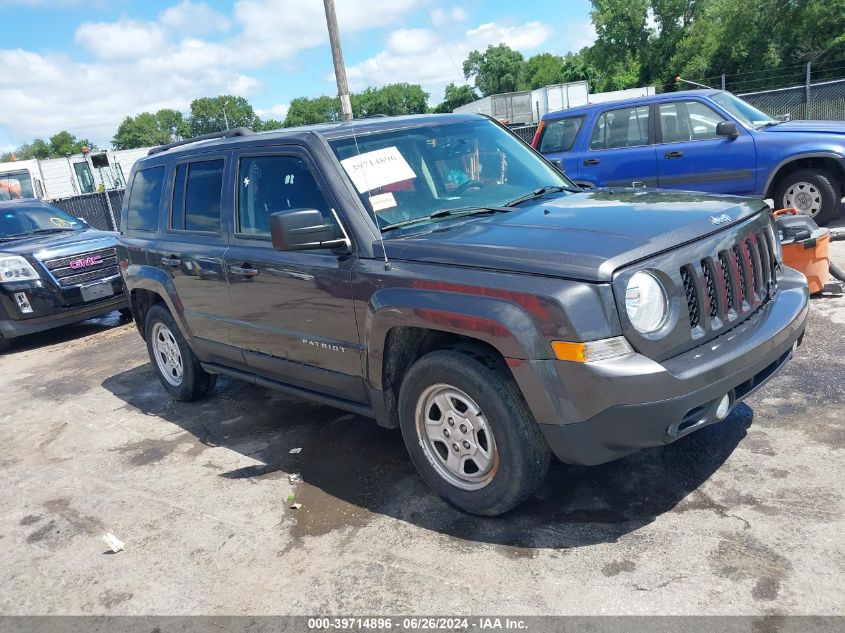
197, 192
559, 135
687, 121
84, 177
269, 184
144, 198
15, 185
625, 127
407, 175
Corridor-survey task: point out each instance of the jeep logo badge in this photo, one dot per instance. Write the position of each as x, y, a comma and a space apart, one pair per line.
85, 262
720, 219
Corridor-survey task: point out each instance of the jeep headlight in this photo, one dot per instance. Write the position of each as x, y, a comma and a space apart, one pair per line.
16, 268
646, 303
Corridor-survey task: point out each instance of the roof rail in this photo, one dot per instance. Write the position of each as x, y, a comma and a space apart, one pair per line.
238, 131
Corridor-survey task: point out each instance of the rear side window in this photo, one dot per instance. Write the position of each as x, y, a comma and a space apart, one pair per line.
197, 192
269, 184
144, 198
625, 127
559, 135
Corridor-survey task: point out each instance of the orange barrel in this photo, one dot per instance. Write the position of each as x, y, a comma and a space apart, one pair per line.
806, 247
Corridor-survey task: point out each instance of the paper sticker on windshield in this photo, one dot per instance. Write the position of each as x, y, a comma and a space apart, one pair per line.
62, 223
381, 167
382, 201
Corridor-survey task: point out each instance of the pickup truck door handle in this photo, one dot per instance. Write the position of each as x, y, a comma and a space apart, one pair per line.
673, 155
170, 261
591, 161
247, 270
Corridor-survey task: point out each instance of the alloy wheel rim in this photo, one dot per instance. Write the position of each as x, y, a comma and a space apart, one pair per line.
455, 437
167, 354
804, 197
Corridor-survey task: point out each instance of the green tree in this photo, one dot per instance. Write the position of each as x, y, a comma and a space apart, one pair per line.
210, 114
270, 124
391, 100
496, 70
143, 130
306, 111
541, 70
64, 143
456, 96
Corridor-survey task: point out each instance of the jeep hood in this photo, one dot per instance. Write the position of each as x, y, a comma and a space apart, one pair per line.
826, 127
584, 236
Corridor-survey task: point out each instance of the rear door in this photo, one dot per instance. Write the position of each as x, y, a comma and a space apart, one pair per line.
557, 140
193, 251
292, 311
620, 150
691, 156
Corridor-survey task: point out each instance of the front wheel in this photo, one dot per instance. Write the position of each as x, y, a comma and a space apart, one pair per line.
811, 192
470, 434
177, 367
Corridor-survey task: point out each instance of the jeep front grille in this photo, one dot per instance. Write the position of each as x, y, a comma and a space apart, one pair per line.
99, 264
730, 283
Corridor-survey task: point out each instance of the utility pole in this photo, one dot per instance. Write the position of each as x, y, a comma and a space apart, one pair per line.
337, 57
225, 118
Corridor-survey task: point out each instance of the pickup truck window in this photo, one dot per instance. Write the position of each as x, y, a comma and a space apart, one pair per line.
268, 184
197, 191
687, 121
559, 135
625, 127
144, 197
411, 173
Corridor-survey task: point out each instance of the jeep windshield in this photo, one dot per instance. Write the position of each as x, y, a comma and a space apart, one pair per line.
20, 221
419, 174
743, 110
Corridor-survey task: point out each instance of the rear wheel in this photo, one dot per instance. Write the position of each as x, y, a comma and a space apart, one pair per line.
177, 367
812, 192
470, 434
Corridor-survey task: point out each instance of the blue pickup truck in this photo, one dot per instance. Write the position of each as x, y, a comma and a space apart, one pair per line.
701, 140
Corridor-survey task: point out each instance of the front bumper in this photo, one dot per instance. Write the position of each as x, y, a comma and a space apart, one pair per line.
52, 307
591, 413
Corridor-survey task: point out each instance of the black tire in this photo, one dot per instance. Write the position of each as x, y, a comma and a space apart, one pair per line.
5, 343
827, 187
522, 452
195, 383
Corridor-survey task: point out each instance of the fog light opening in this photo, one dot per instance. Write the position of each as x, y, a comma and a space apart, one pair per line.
724, 407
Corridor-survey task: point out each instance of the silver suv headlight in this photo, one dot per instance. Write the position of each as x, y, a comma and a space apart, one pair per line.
646, 303
16, 268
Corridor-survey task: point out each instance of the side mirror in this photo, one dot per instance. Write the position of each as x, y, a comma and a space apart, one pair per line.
302, 229
558, 163
726, 128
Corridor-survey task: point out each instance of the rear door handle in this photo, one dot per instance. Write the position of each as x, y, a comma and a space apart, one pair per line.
673, 155
170, 261
591, 161
247, 270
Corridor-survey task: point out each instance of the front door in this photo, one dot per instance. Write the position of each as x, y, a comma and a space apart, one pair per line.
291, 311
692, 157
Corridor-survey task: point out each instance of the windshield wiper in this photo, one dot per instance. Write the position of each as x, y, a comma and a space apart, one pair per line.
539, 192
444, 213
768, 124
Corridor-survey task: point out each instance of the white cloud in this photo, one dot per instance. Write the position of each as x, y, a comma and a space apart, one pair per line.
125, 39
147, 65
578, 35
441, 16
195, 18
419, 55
279, 112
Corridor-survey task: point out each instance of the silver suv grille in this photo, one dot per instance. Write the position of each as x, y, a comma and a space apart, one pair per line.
82, 268
729, 283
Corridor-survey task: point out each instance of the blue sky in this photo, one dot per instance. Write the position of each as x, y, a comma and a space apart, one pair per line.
83, 65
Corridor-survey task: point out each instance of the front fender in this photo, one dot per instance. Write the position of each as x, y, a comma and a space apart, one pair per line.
145, 277
503, 325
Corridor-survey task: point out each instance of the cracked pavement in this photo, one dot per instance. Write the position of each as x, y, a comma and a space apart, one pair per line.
743, 517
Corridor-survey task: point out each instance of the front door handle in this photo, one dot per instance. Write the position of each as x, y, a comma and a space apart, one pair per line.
247, 270
591, 162
673, 155
171, 261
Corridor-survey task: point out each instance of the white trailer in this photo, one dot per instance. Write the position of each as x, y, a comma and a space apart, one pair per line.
616, 95
54, 178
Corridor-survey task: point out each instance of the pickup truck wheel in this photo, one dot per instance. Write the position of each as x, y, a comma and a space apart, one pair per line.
177, 367
470, 434
812, 192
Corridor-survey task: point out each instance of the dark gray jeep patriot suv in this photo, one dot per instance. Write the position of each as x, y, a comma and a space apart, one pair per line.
437, 274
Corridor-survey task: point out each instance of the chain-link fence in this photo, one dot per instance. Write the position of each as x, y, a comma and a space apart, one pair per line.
100, 210
824, 100
526, 133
